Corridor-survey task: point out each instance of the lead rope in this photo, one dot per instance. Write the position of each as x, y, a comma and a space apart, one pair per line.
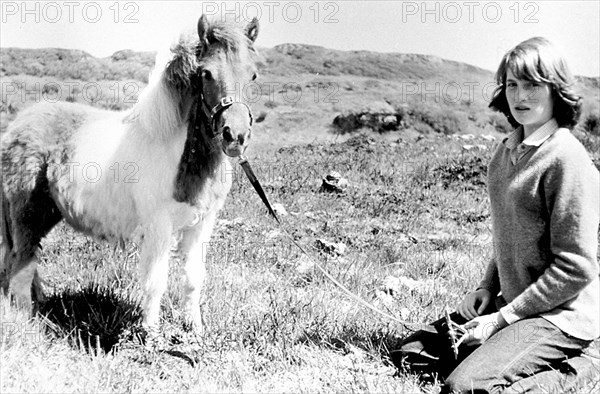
256, 184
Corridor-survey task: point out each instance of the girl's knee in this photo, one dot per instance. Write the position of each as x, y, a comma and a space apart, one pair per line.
471, 378
458, 383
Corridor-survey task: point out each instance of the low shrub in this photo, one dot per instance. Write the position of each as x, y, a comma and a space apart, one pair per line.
500, 123
379, 117
466, 171
591, 124
443, 120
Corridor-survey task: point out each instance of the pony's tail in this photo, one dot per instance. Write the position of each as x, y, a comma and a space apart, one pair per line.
6, 242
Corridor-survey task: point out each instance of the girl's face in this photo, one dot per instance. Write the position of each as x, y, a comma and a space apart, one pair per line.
530, 102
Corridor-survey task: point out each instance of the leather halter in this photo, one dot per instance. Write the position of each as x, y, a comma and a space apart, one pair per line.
212, 115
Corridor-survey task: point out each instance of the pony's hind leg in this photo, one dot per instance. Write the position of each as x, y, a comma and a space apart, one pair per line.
6, 245
24, 278
22, 264
21, 281
29, 219
18, 257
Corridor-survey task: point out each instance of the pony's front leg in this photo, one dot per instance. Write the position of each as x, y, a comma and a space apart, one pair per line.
154, 268
194, 247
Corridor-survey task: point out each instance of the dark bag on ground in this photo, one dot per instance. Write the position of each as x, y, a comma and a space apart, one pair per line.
430, 350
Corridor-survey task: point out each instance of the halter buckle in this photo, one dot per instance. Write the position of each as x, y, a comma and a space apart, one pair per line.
223, 103
227, 101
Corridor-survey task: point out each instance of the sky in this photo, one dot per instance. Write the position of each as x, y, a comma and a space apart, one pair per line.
474, 32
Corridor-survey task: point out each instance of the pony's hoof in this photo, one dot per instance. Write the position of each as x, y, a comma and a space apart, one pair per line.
22, 299
152, 337
193, 324
4, 280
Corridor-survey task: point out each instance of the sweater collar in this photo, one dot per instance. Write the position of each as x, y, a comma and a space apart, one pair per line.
518, 147
536, 138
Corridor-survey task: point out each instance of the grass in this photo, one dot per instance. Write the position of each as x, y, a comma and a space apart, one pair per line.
270, 325
273, 320
414, 220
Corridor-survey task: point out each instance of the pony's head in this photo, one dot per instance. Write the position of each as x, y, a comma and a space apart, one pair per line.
213, 71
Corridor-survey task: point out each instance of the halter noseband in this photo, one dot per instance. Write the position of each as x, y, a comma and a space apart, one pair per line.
213, 114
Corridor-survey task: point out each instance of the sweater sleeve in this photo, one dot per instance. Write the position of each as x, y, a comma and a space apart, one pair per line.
571, 189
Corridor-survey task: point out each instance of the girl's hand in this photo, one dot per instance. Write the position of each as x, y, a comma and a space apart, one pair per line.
474, 304
481, 328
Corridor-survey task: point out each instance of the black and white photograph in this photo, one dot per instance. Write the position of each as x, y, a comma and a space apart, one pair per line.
300, 196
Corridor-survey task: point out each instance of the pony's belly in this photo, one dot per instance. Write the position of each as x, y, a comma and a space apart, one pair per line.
99, 229
97, 213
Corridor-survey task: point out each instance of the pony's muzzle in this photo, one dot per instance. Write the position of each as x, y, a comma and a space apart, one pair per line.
236, 131
228, 136
234, 146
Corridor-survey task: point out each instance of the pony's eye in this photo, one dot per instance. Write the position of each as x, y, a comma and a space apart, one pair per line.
207, 75
254, 76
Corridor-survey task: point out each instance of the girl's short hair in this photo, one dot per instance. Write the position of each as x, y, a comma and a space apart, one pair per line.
537, 59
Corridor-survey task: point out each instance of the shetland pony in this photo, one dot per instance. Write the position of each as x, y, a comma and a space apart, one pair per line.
144, 175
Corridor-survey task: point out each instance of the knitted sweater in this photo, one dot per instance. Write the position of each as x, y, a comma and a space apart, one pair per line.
545, 215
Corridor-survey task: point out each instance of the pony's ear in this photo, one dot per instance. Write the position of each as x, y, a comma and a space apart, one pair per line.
252, 29
202, 33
